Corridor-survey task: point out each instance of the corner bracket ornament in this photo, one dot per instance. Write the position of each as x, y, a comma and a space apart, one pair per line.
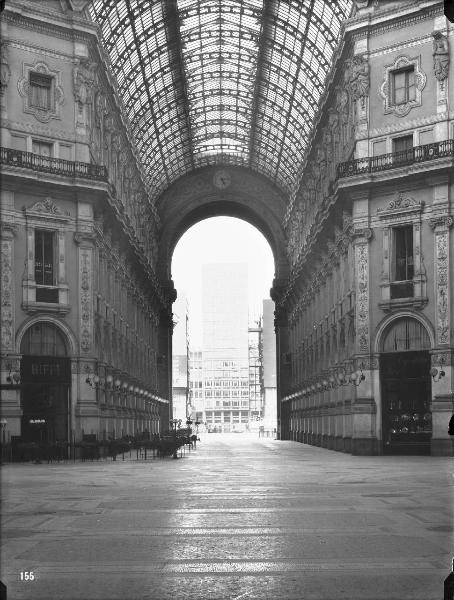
441, 222
440, 55
363, 234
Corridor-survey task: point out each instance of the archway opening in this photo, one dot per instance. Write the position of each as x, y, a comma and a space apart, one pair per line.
224, 347
406, 388
46, 379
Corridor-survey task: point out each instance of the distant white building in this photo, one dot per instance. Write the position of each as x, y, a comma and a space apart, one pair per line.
225, 346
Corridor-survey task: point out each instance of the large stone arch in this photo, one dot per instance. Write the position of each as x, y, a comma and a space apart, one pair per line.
195, 197
249, 196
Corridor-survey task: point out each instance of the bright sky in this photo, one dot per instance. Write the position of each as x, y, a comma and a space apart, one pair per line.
221, 240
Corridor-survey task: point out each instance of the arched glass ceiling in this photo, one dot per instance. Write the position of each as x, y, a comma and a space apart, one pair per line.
221, 81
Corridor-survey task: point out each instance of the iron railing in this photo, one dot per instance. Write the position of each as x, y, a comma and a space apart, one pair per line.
393, 160
48, 164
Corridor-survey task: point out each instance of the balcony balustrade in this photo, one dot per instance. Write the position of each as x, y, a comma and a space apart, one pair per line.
48, 164
384, 162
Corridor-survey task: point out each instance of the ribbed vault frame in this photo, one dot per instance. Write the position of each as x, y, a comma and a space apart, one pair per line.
221, 81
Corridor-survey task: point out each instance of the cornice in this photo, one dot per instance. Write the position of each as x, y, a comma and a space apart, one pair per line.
386, 20
37, 49
44, 130
411, 124
400, 46
63, 25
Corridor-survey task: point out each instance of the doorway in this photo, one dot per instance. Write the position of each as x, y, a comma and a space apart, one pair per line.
406, 388
406, 393
46, 378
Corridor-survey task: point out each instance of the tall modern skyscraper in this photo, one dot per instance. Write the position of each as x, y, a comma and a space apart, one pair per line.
225, 345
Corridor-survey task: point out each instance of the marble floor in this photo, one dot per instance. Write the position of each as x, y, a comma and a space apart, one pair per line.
239, 518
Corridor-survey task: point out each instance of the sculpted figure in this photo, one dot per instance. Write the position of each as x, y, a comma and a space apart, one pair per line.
440, 55
84, 80
359, 77
5, 71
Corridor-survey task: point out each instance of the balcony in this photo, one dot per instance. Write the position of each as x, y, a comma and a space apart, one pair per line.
56, 166
384, 162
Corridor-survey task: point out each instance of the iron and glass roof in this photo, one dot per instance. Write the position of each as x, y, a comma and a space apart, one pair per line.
221, 81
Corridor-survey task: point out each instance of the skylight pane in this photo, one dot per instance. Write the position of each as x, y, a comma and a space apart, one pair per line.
221, 43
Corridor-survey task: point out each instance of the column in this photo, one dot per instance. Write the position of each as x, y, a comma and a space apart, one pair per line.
10, 408
283, 375
363, 407
87, 417
442, 357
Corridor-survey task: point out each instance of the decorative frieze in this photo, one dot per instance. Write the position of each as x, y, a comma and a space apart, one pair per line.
402, 204
441, 226
361, 248
7, 287
5, 71
45, 209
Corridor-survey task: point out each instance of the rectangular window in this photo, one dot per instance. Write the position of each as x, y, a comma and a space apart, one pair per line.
403, 265
403, 86
402, 144
45, 266
40, 91
42, 148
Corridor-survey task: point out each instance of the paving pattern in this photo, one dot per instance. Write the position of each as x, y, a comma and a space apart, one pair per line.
239, 518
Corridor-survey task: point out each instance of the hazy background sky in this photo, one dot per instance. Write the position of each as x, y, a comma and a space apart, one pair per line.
221, 240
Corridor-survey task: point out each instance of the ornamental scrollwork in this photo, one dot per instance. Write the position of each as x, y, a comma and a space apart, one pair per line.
48, 207
442, 221
402, 203
57, 98
385, 90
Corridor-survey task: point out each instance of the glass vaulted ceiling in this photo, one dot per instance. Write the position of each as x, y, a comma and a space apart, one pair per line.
221, 81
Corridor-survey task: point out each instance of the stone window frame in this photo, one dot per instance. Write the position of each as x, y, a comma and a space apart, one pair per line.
46, 216
402, 211
402, 62
57, 94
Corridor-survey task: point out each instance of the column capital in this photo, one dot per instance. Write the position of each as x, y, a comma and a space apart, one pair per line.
363, 235
84, 238
441, 222
8, 230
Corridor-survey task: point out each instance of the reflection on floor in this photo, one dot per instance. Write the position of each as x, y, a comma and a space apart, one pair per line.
241, 517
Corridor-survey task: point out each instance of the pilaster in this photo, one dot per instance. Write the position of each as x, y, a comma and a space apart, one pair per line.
7, 318
441, 226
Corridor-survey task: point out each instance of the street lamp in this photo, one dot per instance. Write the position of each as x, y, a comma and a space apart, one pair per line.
173, 424
3, 424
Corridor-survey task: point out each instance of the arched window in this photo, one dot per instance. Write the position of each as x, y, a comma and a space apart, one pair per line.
43, 339
405, 334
